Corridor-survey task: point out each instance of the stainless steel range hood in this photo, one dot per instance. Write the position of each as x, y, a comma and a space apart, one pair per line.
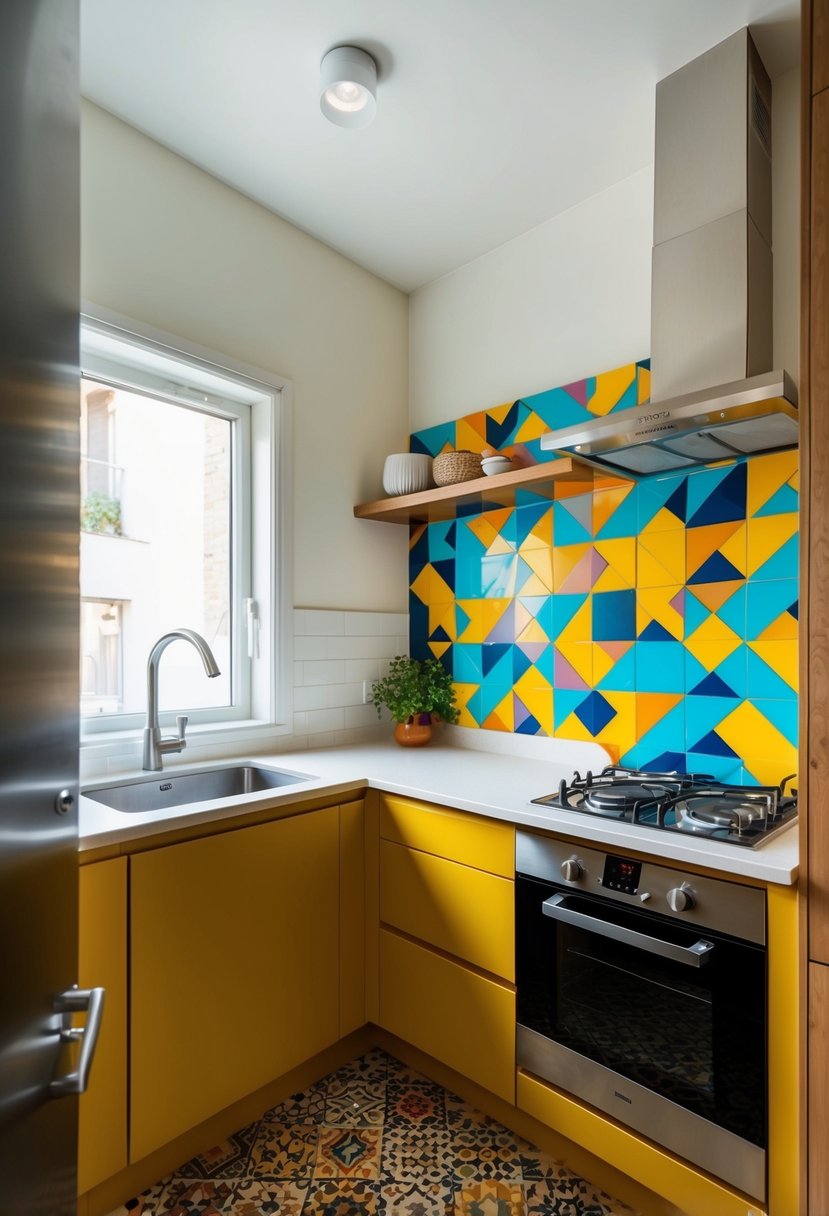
714, 394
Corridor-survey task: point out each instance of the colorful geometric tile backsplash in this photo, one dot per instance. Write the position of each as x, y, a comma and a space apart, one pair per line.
657, 618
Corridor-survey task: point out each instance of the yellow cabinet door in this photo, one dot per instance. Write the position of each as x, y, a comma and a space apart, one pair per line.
486, 844
352, 918
453, 1013
102, 961
234, 968
466, 912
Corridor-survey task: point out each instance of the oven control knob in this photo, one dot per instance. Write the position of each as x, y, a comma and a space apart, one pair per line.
681, 899
572, 869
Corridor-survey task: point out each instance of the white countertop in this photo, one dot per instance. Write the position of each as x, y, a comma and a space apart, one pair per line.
498, 782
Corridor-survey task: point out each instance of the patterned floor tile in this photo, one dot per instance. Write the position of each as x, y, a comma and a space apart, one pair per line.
335, 1197
349, 1152
355, 1103
187, 1196
284, 1153
487, 1155
306, 1107
416, 1102
417, 1198
398, 1071
460, 1116
145, 1204
419, 1154
257, 1197
489, 1199
225, 1160
568, 1195
372, 1067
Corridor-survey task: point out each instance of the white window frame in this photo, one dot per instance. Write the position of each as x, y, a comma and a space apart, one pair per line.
124, 353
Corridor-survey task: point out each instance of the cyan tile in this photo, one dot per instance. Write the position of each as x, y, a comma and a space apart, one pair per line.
614, 616
702, 716
769, 599
764, 682
467, 663
785, 563
660, 667
782, 714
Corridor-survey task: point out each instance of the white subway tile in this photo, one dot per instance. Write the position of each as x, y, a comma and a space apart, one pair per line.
370, 647
361, 669
360, 715
375, 623
300, 726
299, 674
313, 697
322, 620
319, 720
324, 671
344, 694
312, 647
299, 621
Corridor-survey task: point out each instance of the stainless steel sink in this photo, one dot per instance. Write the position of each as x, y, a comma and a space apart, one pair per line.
163, 790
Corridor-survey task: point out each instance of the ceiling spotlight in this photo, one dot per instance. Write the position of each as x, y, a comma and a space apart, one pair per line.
348, 87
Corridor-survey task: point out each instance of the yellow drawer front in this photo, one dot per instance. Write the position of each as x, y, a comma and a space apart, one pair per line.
102, 1110
461, 1018
463, 911
455, 835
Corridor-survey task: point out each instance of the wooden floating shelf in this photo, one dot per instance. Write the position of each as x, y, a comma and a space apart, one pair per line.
497, 491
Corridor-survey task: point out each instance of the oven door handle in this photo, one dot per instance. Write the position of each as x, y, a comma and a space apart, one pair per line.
693, 956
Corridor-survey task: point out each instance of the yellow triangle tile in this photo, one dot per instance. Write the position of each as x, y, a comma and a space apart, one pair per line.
573, 728
700, 543
532, 427
654, 604
470, 432
439, 648
794, 481
643, 387
766, 475
540, 562
541, 536
443, 616
612, 580
770, 770
663, 521
734, 549
422, 585
651, 708
621, 729
610, 388
499, 545
766, 535
504, 713
781, 657
580, 626
650, 572
463, 695
781, 630
712, 643
714, 595
532, 632
668, 549
483, 617
523, 616
499, 412
534, 586
487, 526
606, 503
750, 734
581, 482
620, 556
602, 664
580, 657
537, 695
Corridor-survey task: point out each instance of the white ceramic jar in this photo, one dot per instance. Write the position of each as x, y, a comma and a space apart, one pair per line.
407, 473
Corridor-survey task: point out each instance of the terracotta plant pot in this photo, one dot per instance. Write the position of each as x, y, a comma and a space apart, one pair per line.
415, 733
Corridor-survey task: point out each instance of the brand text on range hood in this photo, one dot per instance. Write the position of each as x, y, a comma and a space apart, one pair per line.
714, 393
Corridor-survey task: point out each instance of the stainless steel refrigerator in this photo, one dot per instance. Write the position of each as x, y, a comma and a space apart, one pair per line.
39, 605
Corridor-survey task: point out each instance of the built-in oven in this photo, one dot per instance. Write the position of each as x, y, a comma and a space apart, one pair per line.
642, 991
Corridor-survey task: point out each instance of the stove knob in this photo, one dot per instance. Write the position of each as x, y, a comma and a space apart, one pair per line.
571, 869
681, 899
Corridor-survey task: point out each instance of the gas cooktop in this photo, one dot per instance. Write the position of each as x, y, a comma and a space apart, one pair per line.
745, 815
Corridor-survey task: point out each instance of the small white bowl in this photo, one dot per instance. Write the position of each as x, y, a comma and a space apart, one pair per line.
496, 464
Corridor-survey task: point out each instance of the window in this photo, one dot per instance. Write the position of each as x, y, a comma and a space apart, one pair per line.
180, 464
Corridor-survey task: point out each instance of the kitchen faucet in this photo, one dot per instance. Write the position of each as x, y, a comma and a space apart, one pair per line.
156, 744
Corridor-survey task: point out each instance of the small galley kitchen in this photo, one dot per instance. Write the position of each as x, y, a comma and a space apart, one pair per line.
438, 505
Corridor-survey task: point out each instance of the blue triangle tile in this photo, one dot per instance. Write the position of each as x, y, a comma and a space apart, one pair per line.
446, 570
717, 569
677, 504
654, 493
734, 671
793, 610
717, 496
713, 686
595, 712
784, 501
556, 408
530, 726
440, 635
526, 518
499, 434
654, 632
491, 654
712, 745
662, 762
441, 548
695, 613
625, 519
433, 439
520, 663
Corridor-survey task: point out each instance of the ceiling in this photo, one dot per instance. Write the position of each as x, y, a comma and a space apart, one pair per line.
493, 115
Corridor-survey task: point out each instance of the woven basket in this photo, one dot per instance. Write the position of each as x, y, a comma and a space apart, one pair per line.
451, 467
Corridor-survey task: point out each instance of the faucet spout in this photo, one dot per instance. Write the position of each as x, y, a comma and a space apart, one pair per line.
155, 745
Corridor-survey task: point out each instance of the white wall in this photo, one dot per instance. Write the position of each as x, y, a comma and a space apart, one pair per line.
572, 297
166, 244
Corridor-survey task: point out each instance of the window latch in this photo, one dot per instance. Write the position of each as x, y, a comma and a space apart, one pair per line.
252, 625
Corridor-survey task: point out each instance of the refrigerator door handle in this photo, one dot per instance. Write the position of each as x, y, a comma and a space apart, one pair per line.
79, 1000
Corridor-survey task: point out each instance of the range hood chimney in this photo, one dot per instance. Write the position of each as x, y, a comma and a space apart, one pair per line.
714, 393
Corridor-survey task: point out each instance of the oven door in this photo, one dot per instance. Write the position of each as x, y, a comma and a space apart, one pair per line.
658, 1024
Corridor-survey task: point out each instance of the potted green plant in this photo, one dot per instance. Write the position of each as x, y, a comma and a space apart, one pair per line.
101, 513
415, 691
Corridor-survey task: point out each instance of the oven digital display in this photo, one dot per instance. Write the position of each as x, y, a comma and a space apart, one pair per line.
623, 875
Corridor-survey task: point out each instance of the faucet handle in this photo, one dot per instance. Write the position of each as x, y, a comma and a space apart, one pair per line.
181, 725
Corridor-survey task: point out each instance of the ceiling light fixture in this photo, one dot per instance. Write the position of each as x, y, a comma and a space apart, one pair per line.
348, 87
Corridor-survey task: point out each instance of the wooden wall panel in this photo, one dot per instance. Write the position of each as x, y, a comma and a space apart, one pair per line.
820, 44
819, 1089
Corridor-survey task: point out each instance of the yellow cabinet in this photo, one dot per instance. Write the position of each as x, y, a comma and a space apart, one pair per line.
235, 978
466, 912
102, 1112
485, 844
460, 1017
352, 918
